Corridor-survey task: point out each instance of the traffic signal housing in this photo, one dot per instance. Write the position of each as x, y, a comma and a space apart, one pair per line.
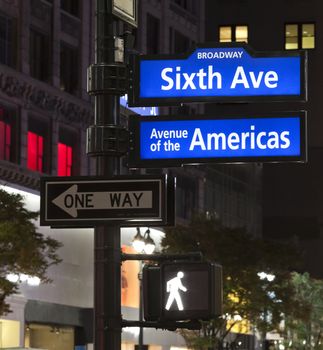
177, 291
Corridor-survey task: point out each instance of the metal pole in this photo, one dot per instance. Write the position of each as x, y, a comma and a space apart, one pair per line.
107, 286
141, 330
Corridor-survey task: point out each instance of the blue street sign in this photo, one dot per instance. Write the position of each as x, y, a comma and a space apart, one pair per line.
219, 74
174, 141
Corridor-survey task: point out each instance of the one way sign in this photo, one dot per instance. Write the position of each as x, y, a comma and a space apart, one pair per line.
86, 201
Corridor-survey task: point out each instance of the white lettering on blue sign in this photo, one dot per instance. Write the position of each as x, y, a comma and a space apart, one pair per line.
210, 79
218, 55
184, 81
220, 72
250, 139
216, 138
270, 79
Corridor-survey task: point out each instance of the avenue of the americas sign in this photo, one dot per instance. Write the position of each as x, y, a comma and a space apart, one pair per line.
224, 73
173, 141
85, 201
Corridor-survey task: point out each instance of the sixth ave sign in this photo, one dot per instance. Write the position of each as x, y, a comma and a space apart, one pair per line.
219, 73
86, 201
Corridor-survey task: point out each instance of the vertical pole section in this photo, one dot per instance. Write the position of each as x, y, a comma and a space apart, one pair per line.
141, 330
107, 256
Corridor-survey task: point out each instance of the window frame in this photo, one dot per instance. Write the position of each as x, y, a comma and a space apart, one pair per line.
75, 65
35, 160
45, 75
69, 138
40, 127
233, 28
9, 117
299, 35
64, 160
10, 44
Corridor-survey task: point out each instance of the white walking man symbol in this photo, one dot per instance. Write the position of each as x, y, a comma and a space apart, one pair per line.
173, 287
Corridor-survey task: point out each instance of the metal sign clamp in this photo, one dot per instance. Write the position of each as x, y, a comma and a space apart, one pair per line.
110, 140
106, 78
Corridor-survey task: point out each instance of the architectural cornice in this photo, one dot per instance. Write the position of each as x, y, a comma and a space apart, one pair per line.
13, 173
31, 93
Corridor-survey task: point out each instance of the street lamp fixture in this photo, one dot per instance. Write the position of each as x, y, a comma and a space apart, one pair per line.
138, 242
149, 243
143, 244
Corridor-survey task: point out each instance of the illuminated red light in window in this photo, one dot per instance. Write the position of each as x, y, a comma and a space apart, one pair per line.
35, 152
64, 156
5, 140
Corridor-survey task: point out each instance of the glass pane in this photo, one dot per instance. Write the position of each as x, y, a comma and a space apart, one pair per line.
32, 151
308, 36
291, 36
242, 33
61, 160
2, 139
8, 141
69, 155
225, 34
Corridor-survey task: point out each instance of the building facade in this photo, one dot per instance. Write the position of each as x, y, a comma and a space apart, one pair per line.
292, 193
45, 49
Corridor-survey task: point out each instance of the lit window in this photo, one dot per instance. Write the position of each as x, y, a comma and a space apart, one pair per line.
64, 156
225, 34
308, 36
5, 140
35, 152
299, 36
241, 33
233, 33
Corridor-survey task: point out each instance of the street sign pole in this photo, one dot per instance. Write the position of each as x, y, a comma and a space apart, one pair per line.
101, 143
107, 302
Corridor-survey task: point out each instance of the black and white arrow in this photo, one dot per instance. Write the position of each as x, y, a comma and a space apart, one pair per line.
71, 200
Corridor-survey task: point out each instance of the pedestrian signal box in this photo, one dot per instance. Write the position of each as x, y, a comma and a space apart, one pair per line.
182, 291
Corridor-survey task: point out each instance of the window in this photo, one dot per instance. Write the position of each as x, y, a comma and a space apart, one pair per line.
233, 33
152, 34
71, 6
178, 42
48, 336
8, 135
69, 66
7, 41
188, 5
40, 56
37, 148
64, 160
67, 150
35, 152
299, 36
5, 140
